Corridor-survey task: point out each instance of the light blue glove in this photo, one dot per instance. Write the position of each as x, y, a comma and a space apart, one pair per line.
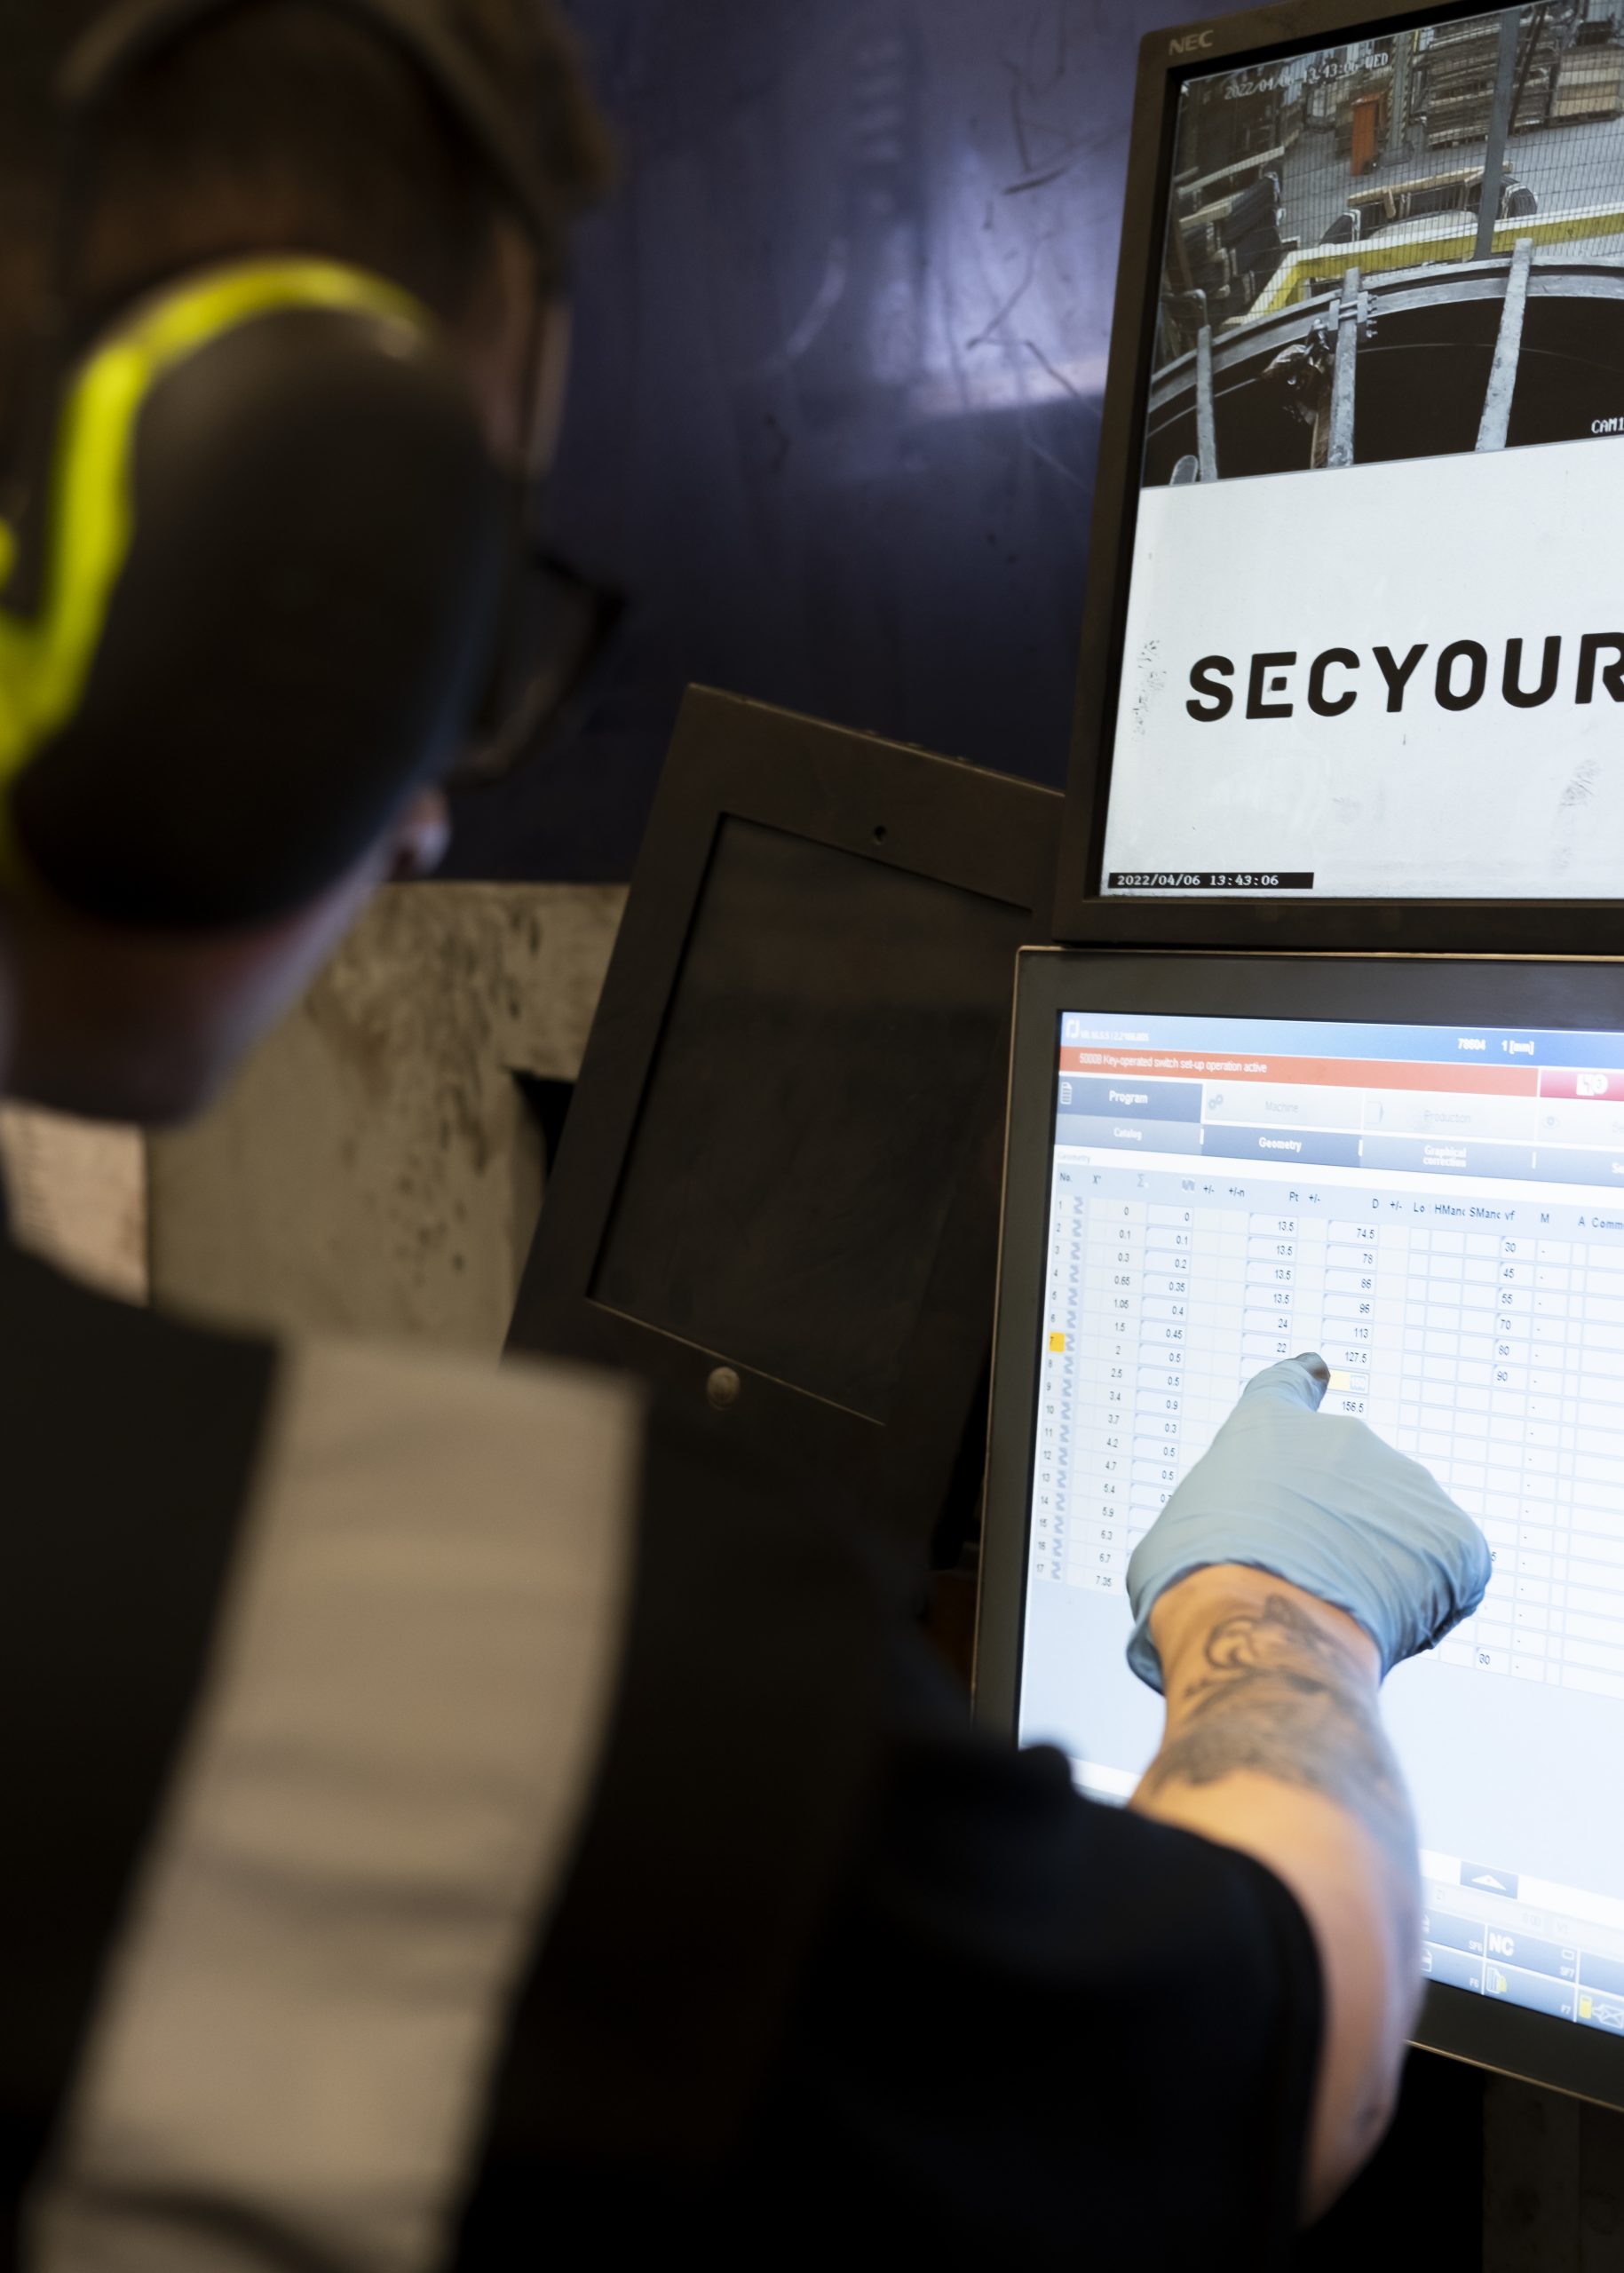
1325, 1503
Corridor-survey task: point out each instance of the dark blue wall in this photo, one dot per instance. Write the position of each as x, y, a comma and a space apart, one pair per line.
842, 338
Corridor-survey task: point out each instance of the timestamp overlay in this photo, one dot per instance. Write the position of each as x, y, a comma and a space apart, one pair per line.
1210, 880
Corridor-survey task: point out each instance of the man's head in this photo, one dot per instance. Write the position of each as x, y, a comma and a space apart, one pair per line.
281, 126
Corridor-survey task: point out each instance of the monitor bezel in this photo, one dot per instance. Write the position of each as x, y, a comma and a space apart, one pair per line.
899, 807
1168, 60
1422, 989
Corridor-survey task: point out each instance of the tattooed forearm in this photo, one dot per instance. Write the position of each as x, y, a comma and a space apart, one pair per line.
1270, 1691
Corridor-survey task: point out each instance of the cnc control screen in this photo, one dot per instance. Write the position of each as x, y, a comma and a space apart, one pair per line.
1440, 1212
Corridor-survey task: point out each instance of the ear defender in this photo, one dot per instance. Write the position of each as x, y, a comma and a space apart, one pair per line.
274, 548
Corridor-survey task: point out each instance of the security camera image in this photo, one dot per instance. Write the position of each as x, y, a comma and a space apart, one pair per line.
1402, 248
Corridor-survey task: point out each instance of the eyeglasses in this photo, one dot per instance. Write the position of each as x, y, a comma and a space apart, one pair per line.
558, 629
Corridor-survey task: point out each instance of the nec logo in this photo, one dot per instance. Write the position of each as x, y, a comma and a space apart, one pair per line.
1191, 44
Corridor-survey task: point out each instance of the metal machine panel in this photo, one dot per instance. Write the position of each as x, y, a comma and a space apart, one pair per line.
777, 1192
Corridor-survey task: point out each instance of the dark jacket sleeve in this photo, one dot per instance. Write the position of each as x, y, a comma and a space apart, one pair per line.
1038, 2030
832, 1966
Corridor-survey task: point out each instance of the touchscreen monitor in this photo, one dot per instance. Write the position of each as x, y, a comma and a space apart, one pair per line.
1372, 644
1439, 1209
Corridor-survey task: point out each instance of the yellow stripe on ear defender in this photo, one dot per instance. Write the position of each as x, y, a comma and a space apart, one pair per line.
45, 661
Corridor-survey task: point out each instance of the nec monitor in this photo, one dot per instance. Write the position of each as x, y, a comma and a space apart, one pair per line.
1352, 627
777, 1190
1416, 1169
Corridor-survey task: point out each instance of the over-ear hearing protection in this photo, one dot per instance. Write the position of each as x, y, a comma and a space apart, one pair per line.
254, 593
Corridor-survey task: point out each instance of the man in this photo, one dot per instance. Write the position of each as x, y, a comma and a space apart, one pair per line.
453, 1818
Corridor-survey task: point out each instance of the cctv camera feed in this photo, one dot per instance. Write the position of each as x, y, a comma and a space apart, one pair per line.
1373, 644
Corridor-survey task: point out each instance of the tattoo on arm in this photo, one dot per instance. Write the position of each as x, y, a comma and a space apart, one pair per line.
1275, 1694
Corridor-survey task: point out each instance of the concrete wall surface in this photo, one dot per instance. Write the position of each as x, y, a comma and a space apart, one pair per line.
376, 1169
76, 1194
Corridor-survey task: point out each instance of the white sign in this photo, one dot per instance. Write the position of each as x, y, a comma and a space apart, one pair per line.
1400, 679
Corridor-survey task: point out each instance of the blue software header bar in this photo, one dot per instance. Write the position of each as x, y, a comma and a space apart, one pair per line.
1329, 1038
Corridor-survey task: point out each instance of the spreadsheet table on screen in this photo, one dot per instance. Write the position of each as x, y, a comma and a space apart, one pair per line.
1440, 1213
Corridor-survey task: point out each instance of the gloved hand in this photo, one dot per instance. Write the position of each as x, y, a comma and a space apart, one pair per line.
1325, 1503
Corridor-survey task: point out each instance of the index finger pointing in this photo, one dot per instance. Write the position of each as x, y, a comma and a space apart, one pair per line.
1294, 1380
